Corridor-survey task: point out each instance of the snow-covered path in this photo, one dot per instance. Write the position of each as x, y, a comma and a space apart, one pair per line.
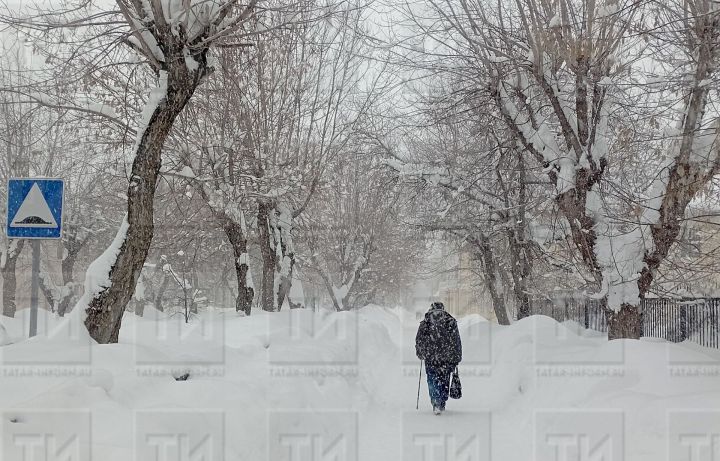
342, 386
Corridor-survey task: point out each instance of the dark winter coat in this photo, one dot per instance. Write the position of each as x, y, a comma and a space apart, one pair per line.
438, 340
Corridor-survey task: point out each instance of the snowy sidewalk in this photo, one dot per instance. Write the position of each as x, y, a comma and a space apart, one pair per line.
311, 386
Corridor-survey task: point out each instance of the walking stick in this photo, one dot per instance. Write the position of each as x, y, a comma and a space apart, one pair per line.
417, 404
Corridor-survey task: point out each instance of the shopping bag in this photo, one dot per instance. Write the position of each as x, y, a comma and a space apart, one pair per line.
455, 385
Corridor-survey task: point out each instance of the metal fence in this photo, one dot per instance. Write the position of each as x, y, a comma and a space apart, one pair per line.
675, 320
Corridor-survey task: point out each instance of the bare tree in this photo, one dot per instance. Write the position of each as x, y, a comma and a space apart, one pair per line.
173, 39
16, 137
554, 70
278, 117
353, 235
472, 187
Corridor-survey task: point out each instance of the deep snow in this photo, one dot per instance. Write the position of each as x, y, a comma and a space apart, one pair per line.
299, 385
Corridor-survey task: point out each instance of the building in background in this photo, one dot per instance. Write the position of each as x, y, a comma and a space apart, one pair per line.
452, 279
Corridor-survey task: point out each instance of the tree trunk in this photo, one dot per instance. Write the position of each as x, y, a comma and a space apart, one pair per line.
47, 290
195, 282
278, 256
627, 323
233, 224
488, 263
516, 233
520, 271
286, 281
521, 297
161, 292
68, 265
10, 278
139, 307
283, 227
520, 245
105, 309
329, 287
238, 241
269, 257
685, 179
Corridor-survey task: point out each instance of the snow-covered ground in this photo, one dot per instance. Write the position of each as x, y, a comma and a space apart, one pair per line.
300, 385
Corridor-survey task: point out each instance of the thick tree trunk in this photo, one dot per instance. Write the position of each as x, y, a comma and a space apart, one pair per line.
244, 299
105, 309
10, 279
269, 257
277, 253
627, 323
686, 177
236, 234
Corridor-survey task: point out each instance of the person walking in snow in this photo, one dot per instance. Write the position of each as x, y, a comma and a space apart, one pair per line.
438, 343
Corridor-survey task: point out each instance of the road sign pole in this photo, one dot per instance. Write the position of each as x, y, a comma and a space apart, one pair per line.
34, 287
34, 211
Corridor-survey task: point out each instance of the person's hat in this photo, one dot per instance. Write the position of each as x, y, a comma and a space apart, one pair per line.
437, 305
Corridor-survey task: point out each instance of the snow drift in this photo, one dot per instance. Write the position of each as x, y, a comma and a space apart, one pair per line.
303, 385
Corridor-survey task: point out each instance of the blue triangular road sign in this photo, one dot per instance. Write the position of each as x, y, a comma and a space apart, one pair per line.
35, 208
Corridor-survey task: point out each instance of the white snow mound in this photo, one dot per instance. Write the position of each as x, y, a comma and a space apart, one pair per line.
270, 385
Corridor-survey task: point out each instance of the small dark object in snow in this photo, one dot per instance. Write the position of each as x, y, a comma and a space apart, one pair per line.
14, 420
182, 377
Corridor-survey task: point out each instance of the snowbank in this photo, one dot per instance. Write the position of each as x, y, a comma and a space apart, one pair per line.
278, 386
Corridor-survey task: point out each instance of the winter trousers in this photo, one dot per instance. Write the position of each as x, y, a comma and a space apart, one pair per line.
438, 379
